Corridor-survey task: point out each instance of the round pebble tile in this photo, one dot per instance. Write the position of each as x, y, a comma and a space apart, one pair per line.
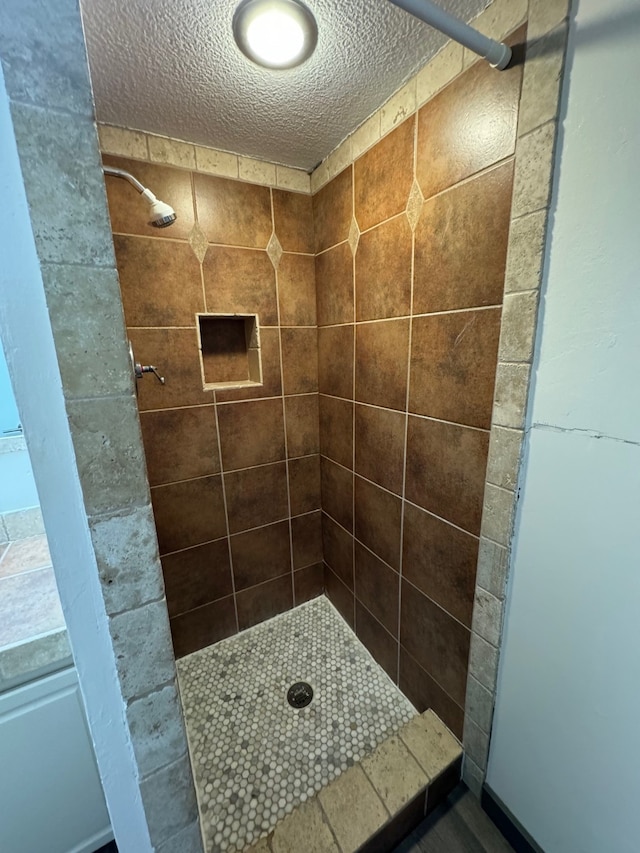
255, 757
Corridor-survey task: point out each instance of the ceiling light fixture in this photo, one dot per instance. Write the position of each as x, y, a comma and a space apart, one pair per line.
275, 33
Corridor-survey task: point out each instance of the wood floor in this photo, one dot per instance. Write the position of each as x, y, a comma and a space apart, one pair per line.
459, 825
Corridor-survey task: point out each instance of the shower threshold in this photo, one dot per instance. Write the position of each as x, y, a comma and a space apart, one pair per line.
255, 757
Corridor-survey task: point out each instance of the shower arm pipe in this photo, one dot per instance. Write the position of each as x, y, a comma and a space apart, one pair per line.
120, 173
161, 214
496, 53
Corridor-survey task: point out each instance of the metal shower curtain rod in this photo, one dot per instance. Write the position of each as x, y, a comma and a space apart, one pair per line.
496, 53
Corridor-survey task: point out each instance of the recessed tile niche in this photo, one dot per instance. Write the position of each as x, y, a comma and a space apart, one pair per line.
229, 350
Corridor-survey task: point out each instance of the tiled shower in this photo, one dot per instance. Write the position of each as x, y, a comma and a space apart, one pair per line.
365, 446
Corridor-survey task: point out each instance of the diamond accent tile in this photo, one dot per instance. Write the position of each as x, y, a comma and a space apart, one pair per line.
274, 250
255, 758
414, 205
198, 242
354, 236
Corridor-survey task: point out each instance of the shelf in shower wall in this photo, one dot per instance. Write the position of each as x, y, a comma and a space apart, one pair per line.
229, 350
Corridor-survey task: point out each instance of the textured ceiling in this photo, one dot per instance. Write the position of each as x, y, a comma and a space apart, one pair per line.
172, 67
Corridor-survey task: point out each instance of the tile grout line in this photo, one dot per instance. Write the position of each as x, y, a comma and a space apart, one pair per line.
342, 583
23, 572
370, 780
228, 471
194, 326
411, 503
407, 397
476, 175
238, 533
465, 310
146, 693
222, 480
417, 415
284, 408
378, 622
231, 595
466, 180
185, 241
328, 824
406, 580
353, 408
448, 695
146, 144
220, 402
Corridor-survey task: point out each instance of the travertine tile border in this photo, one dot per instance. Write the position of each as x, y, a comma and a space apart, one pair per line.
132, 704
539, 105
378, 801
535, 147
148, 147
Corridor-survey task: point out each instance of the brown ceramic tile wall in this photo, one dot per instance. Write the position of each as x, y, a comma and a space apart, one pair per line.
234, 474
411, 245
387, 300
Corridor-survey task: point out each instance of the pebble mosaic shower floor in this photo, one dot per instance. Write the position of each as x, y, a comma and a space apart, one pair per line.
255, 757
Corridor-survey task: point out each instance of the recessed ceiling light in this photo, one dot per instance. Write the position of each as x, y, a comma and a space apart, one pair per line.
275, 33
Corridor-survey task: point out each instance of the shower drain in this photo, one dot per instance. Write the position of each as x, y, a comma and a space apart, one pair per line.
299, 694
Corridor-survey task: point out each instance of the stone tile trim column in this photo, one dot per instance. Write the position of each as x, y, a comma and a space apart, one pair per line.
57, 144
535, 148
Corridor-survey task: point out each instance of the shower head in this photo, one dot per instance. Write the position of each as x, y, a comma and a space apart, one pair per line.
162, 214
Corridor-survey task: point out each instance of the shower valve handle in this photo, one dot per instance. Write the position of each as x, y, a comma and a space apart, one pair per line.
141, 369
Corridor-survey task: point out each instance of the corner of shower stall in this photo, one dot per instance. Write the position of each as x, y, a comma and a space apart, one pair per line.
290, 721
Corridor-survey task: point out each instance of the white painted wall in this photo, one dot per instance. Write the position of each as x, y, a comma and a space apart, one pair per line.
51, 796
25, 331
566, 738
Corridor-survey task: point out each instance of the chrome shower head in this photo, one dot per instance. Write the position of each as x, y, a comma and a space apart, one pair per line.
162, 214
